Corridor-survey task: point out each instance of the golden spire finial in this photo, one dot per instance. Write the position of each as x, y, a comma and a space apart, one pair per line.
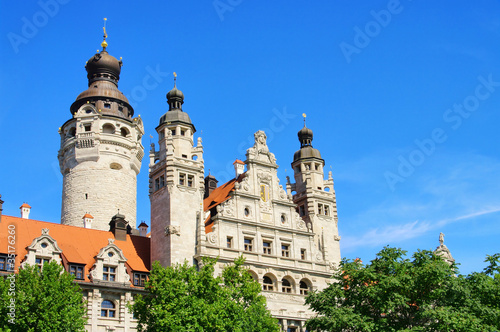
304, 116
104, 44
175, 78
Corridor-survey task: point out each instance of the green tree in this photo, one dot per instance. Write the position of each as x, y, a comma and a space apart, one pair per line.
394, 293
46, 300
183, 298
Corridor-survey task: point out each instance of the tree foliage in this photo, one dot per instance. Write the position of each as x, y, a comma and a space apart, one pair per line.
182, 298
46, 300
394, 293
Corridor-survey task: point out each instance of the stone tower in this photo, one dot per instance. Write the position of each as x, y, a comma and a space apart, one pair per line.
315, 197
176, 186
101, 151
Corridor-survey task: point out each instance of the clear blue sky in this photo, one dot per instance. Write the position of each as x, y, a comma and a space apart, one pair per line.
402, 97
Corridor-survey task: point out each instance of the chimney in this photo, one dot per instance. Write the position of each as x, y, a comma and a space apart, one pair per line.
210, 185
239, 167
25, 211
143, 229
120, 227
1, 208
87, 220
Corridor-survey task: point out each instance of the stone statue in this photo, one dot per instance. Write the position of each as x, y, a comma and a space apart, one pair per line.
441, 238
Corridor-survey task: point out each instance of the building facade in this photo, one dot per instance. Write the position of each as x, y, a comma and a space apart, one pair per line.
288, 233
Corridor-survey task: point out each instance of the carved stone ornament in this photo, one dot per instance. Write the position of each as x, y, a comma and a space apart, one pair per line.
264, 176
212, 237
246, 185
45, 231
319, 257
301, 224
173, 230
336, 237
111, 241
332, 265
260, 151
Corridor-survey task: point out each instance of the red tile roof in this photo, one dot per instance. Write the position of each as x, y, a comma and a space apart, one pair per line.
25, 205
237, 161
79, 245
218, 196
88, 215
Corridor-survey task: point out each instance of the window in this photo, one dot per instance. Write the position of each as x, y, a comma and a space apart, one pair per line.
108, 273
157, 184
120, 108
140, 279
320, 209
108, 309
182, 179
246, 212
173, 132
283, 218
162, 181
124, 132
40, 261
267, 247
108, 129
190, 180
107, 105
267, 284
3, 263
87, 127
182, 132
303, 254
304, 289
286, 287
76, 270
184, 156
316, 167
285, 250
327, 210
302, 210
248, 244
229, 241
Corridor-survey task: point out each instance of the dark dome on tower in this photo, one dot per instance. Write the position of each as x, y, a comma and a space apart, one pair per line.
306, 150
103, 66
175, 114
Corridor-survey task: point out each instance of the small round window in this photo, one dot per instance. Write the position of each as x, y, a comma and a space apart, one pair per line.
44, 245
283, 218
110, 254
246, 212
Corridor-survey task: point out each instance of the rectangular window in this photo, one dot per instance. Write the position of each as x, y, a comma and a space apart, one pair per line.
182, 179
266, 245
327, 210
320, 209
190, 180
3, 263
107, 105
184, 156
182, 132
301, 210
173, 132
248, 244
162, 181
303, 254
229, 242
87, 127
285, 250
140, 279
157, 184
76, 270
108, 273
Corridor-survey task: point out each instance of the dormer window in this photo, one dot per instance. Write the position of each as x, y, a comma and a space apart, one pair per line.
76, 270
140, 279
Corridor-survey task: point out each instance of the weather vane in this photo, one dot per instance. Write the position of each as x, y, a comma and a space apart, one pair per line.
304, 116
104, 44
175, 78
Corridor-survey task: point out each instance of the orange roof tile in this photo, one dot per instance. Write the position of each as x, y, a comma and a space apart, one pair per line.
218, 196
237, 161
79, 245
25, 205
88, 215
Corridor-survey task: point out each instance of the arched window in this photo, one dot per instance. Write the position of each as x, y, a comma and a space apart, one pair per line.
108, 129
124, 132
286, 287
304, 287
72, 132
108, 309
267, 284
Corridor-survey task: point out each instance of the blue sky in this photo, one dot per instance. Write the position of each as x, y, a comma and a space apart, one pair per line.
403, 98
